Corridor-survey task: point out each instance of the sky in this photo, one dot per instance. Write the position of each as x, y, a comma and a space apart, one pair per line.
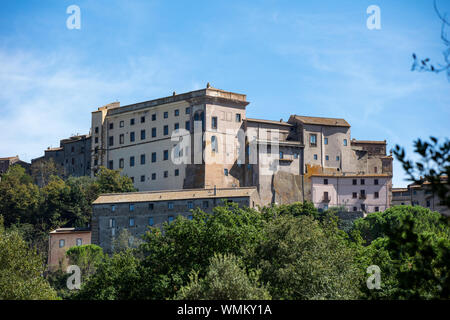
313, 58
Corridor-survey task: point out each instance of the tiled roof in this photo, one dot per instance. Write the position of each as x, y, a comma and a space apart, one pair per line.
269, 122
130, 197
368, 141
333, 122
365, 175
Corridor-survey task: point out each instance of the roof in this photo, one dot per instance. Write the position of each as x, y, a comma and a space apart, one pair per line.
206, 92
153, 196
365, 175
334, 122
70, 230
54, 149
399, 190
269, 122
10, 158
368, 141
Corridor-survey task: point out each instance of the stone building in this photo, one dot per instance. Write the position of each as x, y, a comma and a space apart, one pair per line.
356, 193
62, 239
401, 196
136, 211
7, 162
71, 158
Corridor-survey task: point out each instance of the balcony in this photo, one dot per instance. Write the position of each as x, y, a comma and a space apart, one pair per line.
326, 199
362, 196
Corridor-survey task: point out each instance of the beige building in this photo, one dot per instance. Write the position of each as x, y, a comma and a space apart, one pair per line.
136, 211
61, 240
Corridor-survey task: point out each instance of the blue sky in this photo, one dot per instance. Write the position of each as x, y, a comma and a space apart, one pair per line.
313, 58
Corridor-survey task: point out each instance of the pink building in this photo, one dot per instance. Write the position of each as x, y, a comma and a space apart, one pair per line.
361, 192
61, 240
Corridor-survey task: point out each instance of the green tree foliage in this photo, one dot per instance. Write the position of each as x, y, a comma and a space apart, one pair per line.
433, 166
301, 259
226, 279
116, 278
21, 269
110, 181
411, 246
87, 257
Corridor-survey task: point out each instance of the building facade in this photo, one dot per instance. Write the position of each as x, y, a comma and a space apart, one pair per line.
356, 193
136, 211
6, 163
62, 239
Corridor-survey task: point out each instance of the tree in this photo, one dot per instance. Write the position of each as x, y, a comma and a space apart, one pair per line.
125, 241
42, 170
425, 65
21, 269
110, 181
19, 197
300, 259
226, 279
433, 167
87, 257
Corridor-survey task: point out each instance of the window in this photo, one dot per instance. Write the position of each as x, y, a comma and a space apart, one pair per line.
62, 243
72, 150
153, 176
176, 126
345, 142
325, 196
177, 172
377, 209
205, 204
190, 217
96, 129
355, 182
325, 141
131, 161
166, 155
153, 156
166, 115
190, 205
170, 219
151, 206
143, 178
363, 181
188, 110
110, 165
376, 195
131, 207
281, 155
363, 207
169, 205
315, 157
121, 163
355, 195
355, 208
188, 125
325, 181
150, 221
238, 117
121, 139
176, 112
375, 182
113, 208
327, 157
166, 130
131, 222
111, 126
112, 223
166, 174
428, 203
214, 144
121, 124
153, 132
132, 179
79, 241
142, 134
375, 169
214, 122
295, 155
96, 139
225, 172
111, 140
337, 158
142, 119
154, 117
132, 136
313, 140
142, 158
362, 194
132, 122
